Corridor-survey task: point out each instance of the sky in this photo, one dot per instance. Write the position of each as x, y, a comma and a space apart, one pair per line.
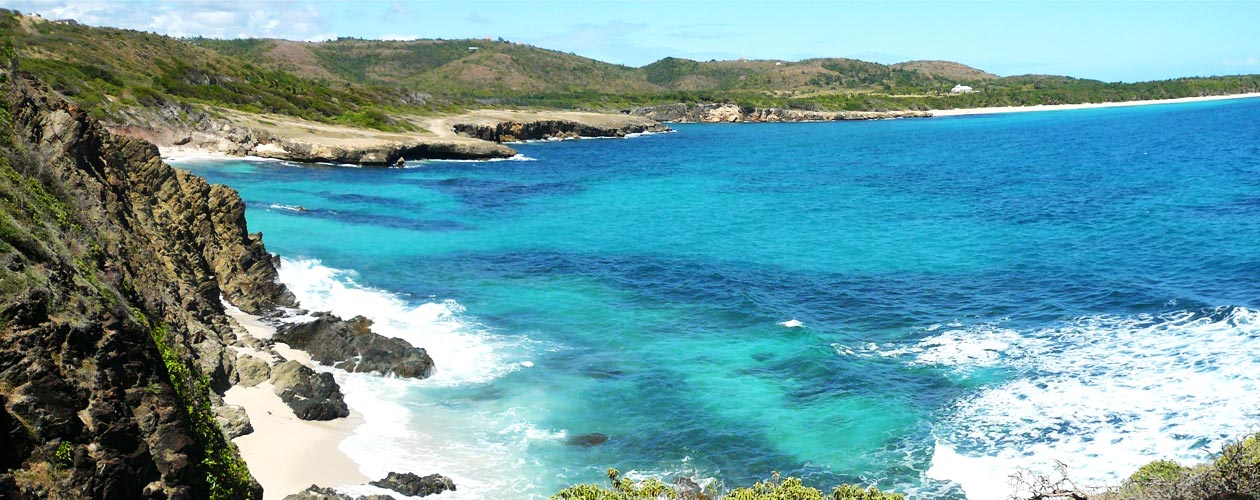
1111, 41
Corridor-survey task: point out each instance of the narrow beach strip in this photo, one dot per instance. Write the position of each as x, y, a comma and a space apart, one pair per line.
284, 453
1062, 107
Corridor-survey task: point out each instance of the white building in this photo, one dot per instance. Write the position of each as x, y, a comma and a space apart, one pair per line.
961, 89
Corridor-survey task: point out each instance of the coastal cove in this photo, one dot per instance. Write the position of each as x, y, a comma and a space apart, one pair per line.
920, 305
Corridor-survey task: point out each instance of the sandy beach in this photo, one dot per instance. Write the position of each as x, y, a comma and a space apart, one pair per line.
284, 453
1063, 107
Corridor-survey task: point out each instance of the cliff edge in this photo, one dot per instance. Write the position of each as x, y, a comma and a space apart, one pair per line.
112, 329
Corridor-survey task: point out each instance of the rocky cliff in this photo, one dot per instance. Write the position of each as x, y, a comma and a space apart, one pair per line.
730, 113
292, 139
537, 129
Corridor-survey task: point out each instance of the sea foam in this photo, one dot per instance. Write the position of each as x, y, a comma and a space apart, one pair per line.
409, 425
1101, 394
464, 352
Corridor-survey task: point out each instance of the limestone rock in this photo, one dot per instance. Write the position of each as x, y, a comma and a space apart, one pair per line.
251, 370
311, 395
352, 346
233, 421
414, 485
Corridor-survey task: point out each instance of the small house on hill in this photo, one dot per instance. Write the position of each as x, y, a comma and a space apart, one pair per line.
961, 89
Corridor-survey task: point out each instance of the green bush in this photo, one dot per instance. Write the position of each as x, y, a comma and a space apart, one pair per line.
1158, 471
1234, 474
64, 456
622, 489
774, 489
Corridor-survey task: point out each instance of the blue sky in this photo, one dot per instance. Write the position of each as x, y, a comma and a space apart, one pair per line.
1111, 41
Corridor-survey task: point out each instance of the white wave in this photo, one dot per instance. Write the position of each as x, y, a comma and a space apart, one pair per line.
590, 138
791, 323
410, 425
421, 163
290, 208
463, 352
1102, 394
645, 134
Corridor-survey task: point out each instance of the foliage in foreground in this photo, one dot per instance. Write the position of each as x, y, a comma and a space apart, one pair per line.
773, 489
1234, 474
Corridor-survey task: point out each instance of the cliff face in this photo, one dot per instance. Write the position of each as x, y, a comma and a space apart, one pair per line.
730, 113
292, 139
112, 332
511, 130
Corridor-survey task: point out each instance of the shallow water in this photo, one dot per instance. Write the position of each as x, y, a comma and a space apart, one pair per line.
921, 305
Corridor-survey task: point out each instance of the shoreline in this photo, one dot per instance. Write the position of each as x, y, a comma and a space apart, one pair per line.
284, 453
1065, 107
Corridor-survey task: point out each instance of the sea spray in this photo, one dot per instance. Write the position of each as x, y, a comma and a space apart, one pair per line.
409, 426
1101, 394
464, 352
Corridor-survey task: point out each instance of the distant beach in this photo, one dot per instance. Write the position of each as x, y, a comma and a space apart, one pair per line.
1061, 107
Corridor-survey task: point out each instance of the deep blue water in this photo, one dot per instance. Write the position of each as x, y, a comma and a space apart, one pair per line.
973, 293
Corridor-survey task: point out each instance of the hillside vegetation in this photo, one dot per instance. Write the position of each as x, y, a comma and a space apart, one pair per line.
372, 84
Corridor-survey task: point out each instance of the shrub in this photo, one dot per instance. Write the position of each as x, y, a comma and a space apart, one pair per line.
773, 489
1158, 471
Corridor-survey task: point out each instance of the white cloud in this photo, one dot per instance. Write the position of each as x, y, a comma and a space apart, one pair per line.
209, 18
1250, 61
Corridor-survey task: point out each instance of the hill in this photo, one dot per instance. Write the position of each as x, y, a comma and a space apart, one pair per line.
126, 76
946, 69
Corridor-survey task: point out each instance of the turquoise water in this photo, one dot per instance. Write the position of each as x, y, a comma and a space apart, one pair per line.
922, 305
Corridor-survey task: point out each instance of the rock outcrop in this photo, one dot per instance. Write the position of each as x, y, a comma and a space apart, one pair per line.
351, 346
114, 341
251, 370
508, 131
112, 331
318, 493
414, 485
587, 440
378, 153
730, 113
292, 139
311, 395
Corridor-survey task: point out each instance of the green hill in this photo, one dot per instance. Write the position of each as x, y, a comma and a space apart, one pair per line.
375, 84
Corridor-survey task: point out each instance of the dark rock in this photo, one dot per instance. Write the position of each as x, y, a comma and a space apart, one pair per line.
352, 346
587, 440
311, 395
319, 493
115, 265
508, 131
719, 112
413, 485
603, 373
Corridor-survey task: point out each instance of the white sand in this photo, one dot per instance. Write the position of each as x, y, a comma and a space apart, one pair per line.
1061, 107
284, 453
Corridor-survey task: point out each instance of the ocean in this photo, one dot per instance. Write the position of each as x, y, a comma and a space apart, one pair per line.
926, 305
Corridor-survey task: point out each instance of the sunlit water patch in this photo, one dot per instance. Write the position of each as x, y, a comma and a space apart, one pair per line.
922, 305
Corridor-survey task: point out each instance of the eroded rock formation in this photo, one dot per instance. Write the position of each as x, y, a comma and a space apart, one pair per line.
730, 113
